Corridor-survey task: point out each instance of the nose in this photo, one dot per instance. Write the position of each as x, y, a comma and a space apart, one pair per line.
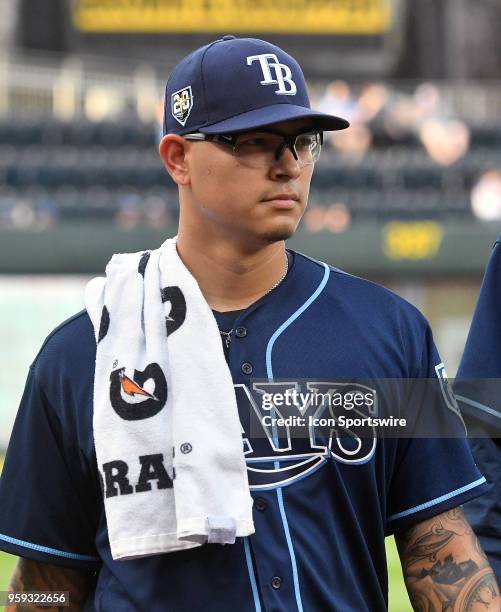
285, 166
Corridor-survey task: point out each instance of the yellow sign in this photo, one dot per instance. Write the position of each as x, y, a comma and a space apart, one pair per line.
413, 240
234, 16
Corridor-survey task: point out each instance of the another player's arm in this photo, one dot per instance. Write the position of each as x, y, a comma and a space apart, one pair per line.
36, 576
445, 567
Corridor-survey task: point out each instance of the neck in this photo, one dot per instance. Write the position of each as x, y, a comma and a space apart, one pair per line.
230, 276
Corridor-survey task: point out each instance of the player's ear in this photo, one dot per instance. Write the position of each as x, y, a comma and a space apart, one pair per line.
173, 149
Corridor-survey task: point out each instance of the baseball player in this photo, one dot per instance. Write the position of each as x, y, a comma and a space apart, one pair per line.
478, 392
240, 141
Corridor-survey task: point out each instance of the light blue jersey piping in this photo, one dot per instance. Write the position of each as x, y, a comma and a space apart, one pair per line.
292, 318
46, 549
437, 500
479, 406
269, 372
252, 577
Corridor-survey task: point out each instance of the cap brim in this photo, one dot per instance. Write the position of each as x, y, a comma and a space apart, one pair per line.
262, 117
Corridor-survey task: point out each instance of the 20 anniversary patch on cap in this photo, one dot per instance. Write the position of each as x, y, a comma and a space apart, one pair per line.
181, 104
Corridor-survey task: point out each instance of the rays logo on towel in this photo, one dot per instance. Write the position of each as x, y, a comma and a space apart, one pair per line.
181, 104
138, 397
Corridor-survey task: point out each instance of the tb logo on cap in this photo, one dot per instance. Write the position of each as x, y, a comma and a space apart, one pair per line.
283, 74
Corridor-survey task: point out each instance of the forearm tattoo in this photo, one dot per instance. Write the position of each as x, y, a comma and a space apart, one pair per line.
34, 576
445, 568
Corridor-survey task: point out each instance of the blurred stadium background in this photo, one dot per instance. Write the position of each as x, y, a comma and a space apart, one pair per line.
410, 196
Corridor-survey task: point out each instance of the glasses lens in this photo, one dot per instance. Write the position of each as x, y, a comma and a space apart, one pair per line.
259, 149
308, 147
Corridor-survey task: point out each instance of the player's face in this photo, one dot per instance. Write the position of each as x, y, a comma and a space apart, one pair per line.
251, 204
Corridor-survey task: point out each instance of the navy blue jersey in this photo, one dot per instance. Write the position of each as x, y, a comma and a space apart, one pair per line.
320, 516
478, 388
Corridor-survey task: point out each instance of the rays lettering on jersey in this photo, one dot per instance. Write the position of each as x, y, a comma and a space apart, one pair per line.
279, 455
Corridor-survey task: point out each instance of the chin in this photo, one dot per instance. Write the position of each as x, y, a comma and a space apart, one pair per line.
277, 234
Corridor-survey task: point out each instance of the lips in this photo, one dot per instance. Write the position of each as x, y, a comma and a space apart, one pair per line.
283, 196
282, 201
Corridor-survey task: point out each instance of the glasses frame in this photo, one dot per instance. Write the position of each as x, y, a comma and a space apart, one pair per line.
289, 140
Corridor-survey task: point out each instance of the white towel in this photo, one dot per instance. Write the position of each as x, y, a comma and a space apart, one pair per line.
167, 434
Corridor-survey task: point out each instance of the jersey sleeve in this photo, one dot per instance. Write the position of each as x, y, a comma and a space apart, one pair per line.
432, 474
478, 382
484, 513
44, 514
478, 389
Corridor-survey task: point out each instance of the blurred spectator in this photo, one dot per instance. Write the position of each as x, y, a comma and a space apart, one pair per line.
7, 203
400, 116
314, 218
427, 102
46, 209
444, 138
338, 100
34, 209
155, 212
102, 102
22, 215
445, 141
352, 144
486, 196
372, 101
129, 211
405, 113
335, 218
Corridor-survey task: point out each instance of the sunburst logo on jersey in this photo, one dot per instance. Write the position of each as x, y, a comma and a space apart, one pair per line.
181, 104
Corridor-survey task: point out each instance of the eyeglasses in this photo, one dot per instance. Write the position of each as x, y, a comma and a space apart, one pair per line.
263, 148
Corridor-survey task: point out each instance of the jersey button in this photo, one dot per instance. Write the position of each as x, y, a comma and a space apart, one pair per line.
240, 332
260, 504
276, 582
247, 367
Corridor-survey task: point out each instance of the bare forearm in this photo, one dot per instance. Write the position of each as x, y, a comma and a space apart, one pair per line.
34, 576
445, 568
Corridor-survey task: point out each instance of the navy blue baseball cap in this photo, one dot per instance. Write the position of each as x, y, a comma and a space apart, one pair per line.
236, 84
